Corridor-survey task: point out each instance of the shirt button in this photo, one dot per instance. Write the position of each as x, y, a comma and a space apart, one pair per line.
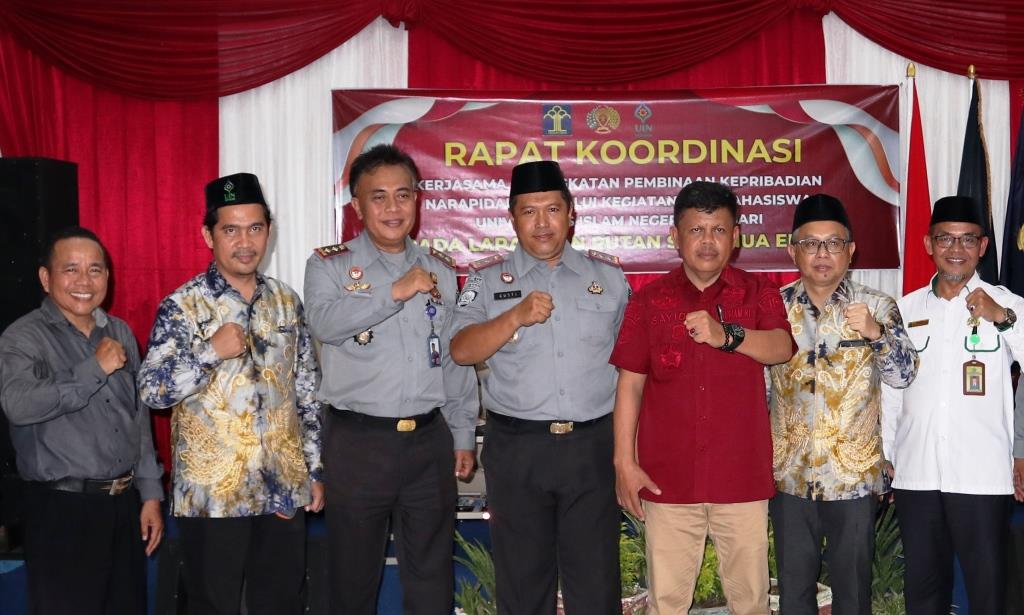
561, 354
561, 391
557, 318
409, 359
108, 401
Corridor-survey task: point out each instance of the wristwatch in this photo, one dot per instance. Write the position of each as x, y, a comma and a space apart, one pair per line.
734, 335
1008, 322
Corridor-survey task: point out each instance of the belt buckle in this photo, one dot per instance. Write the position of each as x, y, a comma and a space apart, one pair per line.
404, 425
560, 427
120, 485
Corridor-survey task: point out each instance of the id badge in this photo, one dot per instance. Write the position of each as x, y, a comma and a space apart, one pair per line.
434, 350
974, 377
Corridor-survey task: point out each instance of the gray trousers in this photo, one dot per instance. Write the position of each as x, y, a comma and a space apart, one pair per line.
848, 530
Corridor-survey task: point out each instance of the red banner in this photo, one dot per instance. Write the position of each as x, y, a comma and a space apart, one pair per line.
627, 156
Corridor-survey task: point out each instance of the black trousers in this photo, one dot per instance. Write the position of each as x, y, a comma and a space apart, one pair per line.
265, 553
375, 476
83, 553
936, 526
848, 530
553, 514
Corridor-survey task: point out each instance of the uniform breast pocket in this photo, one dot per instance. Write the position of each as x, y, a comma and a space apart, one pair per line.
919, 337
596, 318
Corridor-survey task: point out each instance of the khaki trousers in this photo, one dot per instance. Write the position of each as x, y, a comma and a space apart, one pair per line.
675, 549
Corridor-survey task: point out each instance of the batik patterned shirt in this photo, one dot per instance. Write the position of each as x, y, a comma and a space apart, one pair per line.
826, 400
245, 431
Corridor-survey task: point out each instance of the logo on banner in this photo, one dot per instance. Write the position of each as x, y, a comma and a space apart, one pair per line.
643, 113
557, 119
603, 119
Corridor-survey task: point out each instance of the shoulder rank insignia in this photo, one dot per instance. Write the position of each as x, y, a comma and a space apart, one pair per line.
444, 258
484, 263
607, 259
329, 251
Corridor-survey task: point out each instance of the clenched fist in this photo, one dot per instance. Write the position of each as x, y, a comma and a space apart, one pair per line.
110, 354
705, 329
535, 308
229, 341
859, 317
416, 280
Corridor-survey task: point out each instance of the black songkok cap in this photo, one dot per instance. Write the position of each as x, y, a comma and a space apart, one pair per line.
237, 189
540, 176
956, 209
821, 208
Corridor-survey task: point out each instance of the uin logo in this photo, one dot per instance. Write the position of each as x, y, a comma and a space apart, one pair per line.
557, 119
603, 119
643, 113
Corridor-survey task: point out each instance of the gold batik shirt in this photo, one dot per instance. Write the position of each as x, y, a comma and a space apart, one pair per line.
825, 401
245, 432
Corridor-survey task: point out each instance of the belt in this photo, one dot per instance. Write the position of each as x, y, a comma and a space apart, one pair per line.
411, 423
113, 486
553, 427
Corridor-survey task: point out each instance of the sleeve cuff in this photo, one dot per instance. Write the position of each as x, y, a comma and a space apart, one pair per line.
206, 356
465, 439
149, 489
89, 371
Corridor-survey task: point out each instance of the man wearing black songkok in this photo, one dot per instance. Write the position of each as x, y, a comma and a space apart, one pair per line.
949, 435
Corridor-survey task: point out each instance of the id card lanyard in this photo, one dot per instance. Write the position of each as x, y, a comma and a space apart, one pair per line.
974, 370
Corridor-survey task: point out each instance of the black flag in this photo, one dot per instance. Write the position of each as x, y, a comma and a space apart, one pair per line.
974, 183
1012, 274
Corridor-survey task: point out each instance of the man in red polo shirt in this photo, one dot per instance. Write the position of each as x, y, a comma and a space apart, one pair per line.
692, 437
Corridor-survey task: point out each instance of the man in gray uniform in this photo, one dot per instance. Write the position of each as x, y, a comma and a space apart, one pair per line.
545, 319
83, 442
383, 308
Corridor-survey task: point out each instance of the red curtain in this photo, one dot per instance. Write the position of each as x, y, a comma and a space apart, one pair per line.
184, 49
790, 50
142, 166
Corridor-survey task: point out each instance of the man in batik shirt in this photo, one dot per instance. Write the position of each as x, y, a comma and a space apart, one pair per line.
824, 414
230, 353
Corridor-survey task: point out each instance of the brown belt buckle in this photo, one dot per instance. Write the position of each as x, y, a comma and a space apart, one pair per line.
406, 425
120, 485
559, 428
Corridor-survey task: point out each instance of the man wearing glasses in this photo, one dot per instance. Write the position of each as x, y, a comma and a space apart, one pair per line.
824, 415
230, 353
949, 435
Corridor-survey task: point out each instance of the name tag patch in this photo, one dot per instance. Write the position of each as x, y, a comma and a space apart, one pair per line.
508, 294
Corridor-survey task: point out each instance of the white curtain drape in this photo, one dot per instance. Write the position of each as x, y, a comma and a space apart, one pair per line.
944, 99
282, 133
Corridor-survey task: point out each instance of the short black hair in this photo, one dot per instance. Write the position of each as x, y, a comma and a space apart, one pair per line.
212, 217
70, 232
378, 156
707, 197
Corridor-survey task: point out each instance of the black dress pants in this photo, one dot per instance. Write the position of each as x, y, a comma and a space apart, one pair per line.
553, 517
847, 528
265, 553
84, 553
936, 526
375, 475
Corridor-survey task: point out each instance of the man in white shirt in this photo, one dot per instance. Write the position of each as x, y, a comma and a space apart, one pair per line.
949, 435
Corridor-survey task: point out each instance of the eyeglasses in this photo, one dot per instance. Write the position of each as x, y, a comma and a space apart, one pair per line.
833, 245
946, 241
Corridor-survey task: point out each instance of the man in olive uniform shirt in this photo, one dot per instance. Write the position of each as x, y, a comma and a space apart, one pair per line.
382, 307
545, 319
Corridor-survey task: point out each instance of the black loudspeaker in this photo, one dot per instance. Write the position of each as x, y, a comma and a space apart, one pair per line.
37, 197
